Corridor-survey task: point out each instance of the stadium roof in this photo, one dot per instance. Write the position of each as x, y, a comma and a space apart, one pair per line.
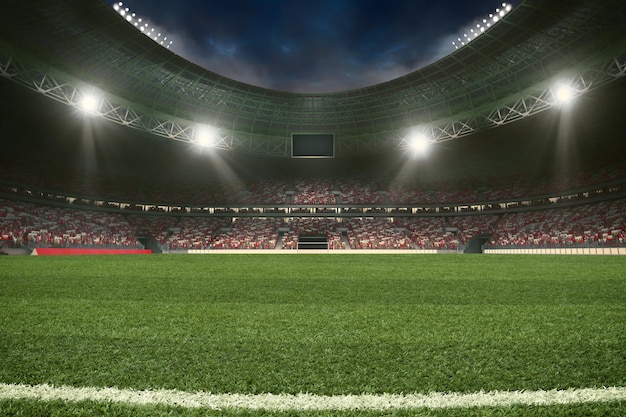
75, 48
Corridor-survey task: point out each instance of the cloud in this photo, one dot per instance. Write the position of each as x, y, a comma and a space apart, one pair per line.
313, 47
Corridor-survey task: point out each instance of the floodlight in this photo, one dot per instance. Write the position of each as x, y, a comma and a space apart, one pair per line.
564, 93
205, 135
139, 23
419, 143
89, 103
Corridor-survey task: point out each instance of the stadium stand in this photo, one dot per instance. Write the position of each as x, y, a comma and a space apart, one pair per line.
195, 233
602, 224
376, 234
35, 225
248, 233
313, 192
360, 191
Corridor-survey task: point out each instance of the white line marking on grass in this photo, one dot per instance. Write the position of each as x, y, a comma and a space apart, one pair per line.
278, 402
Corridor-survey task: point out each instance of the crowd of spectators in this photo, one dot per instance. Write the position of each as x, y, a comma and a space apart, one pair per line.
376, 233
466, 227
312, 226
194, 233
601, 224
313, 192
158, 227
63, 224
33, 225
359, 192
265, 191
249, 233
138, 193
428, 232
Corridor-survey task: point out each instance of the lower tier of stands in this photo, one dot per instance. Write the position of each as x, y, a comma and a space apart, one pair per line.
31, 225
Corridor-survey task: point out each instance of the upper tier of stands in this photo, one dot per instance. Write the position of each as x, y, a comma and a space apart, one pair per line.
48, 180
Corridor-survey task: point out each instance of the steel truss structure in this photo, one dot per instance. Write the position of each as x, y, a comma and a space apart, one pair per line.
83, 48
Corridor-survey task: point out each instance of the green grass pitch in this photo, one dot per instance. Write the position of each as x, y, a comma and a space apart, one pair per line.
316, 323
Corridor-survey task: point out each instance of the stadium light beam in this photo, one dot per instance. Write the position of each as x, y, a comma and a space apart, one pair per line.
564, 93
89, 103
419, 144
205, 135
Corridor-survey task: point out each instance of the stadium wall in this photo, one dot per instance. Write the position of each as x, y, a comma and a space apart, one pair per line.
88, 251
559, 251
310, 251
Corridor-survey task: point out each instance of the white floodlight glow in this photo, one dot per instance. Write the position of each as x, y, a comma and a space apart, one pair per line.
487, 22
205, 135
419, 144
139, 23
89, 103
564, 93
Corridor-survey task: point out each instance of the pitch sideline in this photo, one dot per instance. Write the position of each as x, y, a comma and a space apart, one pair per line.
303, 402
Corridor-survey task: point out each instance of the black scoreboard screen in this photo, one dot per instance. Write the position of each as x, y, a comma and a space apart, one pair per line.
312, 145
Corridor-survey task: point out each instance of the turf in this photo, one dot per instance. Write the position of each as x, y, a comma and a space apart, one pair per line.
33, 408
323, 324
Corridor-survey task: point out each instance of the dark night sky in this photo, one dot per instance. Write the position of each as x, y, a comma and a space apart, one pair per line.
312, 46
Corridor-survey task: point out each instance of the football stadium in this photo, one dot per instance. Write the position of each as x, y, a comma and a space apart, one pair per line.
447, 243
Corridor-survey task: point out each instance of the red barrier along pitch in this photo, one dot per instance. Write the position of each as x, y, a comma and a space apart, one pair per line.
90, 251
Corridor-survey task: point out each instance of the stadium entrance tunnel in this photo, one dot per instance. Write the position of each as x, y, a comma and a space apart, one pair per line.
312, 242
150, 242
476, 244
